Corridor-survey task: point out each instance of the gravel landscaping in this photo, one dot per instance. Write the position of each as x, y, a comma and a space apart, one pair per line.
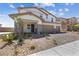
35, 45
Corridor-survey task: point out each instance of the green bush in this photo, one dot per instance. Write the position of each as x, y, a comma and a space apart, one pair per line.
8, 37
44, 34
76, 27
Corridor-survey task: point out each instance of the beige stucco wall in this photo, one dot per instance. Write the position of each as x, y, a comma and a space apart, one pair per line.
41, 27
33, 10
25, 28
47, 28
31, 20
51, 27
59, 25
46, 15
30, 17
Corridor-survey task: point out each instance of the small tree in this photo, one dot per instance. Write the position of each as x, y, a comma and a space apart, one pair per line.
76, 27
19, 30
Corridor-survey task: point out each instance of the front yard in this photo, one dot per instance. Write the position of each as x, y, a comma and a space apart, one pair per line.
35, 45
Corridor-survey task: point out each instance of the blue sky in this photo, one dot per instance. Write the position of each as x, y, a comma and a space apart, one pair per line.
59, 9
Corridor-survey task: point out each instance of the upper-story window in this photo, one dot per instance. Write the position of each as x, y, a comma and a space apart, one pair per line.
41, 16
46, 16
52, 20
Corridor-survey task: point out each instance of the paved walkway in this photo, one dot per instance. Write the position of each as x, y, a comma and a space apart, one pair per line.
69, 49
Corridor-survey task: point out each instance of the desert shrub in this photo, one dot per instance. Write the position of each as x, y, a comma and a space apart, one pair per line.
27, 35
8, 37
20, 42
55, 42
32, 47
44, 34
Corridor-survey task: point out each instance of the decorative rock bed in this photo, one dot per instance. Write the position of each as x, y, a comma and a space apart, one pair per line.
36, 45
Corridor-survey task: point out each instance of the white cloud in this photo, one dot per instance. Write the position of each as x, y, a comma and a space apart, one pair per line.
66, 9
12, 6
21, 5
63, 10
44, 4
60, 10
61, 14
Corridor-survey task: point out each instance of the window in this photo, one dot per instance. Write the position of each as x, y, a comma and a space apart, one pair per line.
46, 16
28, 26
41, 16
52, 20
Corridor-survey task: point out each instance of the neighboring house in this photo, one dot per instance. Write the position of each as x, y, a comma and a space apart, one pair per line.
35, 20
6, 29
67, 23
63, 23
60, 19
71, 21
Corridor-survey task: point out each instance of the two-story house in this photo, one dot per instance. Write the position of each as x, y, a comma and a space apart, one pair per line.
35, 20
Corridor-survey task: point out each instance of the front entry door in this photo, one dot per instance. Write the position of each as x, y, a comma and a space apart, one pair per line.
32, 27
